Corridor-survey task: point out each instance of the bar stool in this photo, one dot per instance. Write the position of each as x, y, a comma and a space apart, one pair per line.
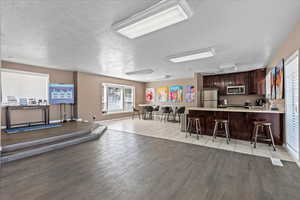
255, 121
222, 122
266, 129
196, 122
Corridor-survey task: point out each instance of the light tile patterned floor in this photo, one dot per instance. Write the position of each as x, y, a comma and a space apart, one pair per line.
171, 131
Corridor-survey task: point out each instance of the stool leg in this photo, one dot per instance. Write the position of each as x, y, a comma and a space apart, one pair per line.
215, 131
197, 128
268, 135
271, 136
192, 125
252, 134
187, 128
255, 137
200, 128
227, 133
204, 125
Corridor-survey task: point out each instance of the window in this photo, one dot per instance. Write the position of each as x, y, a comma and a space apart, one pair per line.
117, 98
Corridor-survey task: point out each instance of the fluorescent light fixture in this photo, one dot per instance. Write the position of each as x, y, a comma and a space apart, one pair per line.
228, 66
193, 55
162, 77
158, 16
140, 72
157, 78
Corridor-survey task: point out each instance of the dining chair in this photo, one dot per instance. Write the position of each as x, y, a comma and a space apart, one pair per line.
136, 112
166, 111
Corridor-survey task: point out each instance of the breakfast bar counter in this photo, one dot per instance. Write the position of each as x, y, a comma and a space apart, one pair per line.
240, 120
232, 109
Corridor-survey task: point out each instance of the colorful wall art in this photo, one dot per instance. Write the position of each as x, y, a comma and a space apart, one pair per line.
150, 95
176, 94
190, 93
163, 94
279, 81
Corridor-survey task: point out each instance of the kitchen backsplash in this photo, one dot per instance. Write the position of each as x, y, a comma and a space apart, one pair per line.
240, 99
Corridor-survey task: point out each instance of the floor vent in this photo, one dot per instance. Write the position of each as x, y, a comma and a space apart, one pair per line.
276, 162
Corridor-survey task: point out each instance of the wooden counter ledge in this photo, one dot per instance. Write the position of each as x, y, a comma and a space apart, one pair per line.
237, 110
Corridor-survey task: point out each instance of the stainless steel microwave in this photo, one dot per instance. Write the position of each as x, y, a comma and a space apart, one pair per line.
240, 89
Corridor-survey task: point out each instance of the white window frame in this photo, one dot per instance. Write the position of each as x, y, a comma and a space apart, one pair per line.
105, 97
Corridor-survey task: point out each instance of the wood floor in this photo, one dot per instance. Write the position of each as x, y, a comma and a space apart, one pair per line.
123, 166
8, 139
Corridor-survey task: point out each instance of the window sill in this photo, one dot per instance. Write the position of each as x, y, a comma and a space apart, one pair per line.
119, 112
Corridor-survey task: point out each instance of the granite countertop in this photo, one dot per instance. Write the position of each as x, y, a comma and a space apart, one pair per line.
251, 110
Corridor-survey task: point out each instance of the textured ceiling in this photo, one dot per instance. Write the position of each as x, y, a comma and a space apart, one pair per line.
77, 35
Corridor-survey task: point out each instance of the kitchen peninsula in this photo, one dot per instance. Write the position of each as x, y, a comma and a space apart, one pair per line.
240, 120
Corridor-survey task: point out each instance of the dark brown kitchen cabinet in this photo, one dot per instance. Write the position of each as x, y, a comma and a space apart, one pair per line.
215, 81
254, 81
241, 78
222, 87
261, 82
207, 82
231, 79
257, 82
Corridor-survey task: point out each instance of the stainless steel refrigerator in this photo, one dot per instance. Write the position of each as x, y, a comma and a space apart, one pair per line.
210, 98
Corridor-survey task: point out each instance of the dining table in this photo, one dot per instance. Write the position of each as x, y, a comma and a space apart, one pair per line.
174, 108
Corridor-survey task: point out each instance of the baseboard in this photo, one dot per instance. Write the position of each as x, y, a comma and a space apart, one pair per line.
51, 122
68, 120
115, 119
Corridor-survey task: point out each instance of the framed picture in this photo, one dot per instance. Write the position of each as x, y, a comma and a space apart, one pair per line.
176, 94
190, 93
163, 94
150, 95
279, 80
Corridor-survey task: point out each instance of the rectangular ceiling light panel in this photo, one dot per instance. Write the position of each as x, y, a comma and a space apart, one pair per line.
139, 72
193, 56
161, 15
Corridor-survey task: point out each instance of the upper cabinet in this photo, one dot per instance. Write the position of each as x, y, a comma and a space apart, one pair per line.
257, 82
254, 81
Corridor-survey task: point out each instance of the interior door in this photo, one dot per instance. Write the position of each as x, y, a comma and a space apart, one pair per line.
292, 104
